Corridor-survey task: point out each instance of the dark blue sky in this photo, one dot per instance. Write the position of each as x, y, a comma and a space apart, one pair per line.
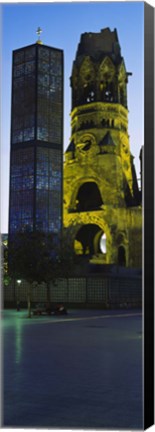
62, 25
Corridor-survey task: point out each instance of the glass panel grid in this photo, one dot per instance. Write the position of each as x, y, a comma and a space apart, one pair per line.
50, 91
48, 187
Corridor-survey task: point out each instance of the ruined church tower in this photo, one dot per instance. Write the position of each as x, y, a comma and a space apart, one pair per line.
102, 208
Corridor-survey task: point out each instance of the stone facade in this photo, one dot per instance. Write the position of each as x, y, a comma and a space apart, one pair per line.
102, 202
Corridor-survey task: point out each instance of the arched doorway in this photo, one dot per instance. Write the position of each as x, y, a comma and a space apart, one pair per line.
90, 240
88, 197
121, 256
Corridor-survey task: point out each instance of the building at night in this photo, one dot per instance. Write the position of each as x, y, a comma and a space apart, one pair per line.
102, 200
36, 140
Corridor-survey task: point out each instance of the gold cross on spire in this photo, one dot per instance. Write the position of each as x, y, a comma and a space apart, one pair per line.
39, 31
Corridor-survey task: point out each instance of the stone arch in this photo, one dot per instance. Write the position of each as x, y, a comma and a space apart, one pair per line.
107, 69
83, 220
87, 79
106, 79
87, 71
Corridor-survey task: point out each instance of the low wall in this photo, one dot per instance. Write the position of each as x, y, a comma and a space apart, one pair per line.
107, 292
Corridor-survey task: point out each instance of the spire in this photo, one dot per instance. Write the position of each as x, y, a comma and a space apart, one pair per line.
39, 31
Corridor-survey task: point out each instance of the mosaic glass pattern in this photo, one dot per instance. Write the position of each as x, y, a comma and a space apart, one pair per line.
49, 95
36, 139
23, 95
48, 189
22, 189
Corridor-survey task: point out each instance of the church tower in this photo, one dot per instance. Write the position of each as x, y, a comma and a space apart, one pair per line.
36, 140
102, 209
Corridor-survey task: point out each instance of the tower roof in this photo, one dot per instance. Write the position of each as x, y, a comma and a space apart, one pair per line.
71, 147
107, 140
99, 45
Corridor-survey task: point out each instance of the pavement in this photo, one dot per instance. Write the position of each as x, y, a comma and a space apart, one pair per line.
82, 371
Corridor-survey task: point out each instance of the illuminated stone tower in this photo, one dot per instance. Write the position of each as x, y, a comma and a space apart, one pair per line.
36, 139
102, 212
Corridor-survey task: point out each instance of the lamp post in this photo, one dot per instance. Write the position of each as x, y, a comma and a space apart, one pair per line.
18, 301
18, 281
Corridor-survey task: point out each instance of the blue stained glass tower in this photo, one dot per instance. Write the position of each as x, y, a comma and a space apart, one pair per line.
36, 140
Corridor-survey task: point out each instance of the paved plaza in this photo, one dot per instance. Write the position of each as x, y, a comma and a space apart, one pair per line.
83, 370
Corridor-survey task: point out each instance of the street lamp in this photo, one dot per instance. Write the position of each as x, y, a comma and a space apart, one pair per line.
18, 301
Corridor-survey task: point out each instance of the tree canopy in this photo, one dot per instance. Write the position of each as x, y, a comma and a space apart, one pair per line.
39, 257
32, 256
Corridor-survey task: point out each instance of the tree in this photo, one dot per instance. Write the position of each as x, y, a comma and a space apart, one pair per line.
38, 257
33, 257
4, 261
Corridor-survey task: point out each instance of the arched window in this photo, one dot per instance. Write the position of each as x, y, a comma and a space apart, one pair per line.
121, 256
108, 92
88, 93
88, 197
103, 122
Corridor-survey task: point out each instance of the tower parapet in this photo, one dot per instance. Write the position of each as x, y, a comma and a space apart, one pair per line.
99, 70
